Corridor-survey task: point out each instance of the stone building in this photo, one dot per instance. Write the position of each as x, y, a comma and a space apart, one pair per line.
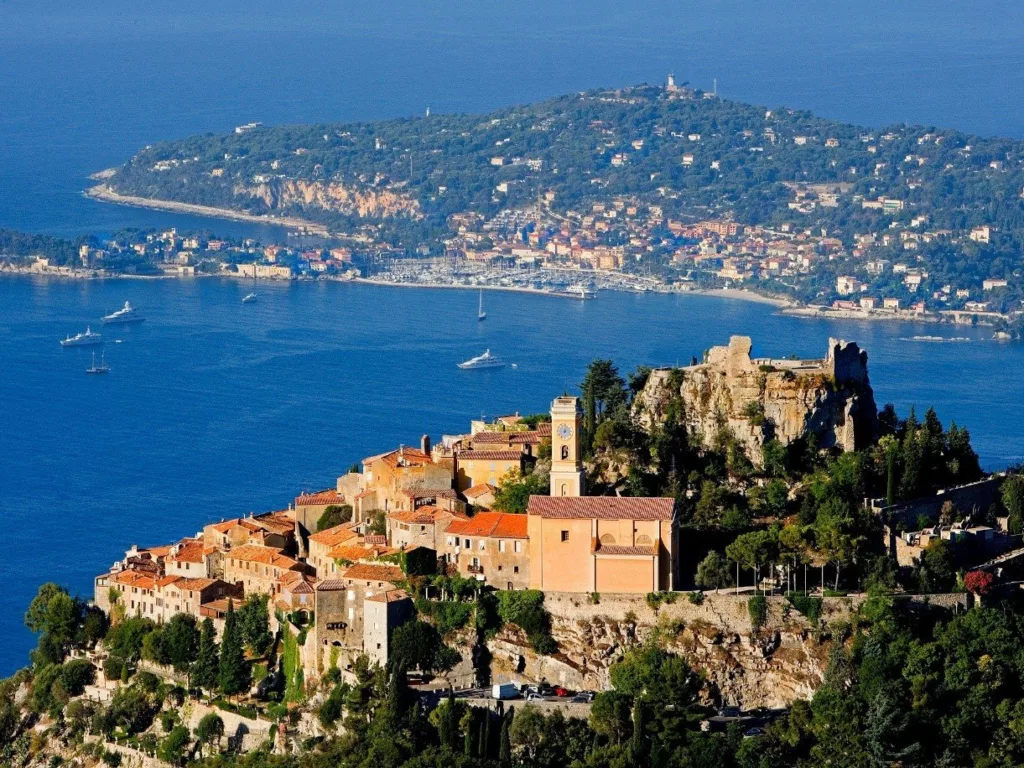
192, 558
341, 610
321, 543
258, 569
759, 399
491, 547
383, 613
488, 465
423, 527
309, 507
602, 544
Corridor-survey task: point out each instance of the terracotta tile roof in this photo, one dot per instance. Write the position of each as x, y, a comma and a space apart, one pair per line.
355, 552
297, 583
331, 585
317, 498
189, 551
276, 522
481, 489
612, 549
602, 507
135, 579
524, 438
195, 585
544, 429
367, 492
498, 525
421, 516
254, 553
406, 457
226, 525
491, 437
334, 536
166, 581
156, 552
373, 572
391, 596
378, 539
507, 454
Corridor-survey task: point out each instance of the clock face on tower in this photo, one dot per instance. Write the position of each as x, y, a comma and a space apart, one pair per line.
565, 431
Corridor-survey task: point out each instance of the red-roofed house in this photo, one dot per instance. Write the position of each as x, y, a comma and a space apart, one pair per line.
321, 543
258, 569
491, 547
192, 558
602, 544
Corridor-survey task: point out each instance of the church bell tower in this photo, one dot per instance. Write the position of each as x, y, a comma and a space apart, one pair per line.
566, 455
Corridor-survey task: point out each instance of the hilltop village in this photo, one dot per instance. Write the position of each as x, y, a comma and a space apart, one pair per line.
738, 530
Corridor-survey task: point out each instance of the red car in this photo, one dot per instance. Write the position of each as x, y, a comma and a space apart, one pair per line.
562, 692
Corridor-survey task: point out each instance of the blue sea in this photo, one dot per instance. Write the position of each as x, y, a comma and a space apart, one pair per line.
215, 409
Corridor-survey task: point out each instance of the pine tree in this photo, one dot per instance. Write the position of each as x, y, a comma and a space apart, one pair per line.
205, 671
234, 672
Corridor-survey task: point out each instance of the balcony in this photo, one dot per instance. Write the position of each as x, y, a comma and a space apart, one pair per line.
475, 569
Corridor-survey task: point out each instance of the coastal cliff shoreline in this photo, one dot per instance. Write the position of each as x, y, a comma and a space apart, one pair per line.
104, 193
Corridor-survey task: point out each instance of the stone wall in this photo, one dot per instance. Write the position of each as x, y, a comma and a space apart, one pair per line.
761, 399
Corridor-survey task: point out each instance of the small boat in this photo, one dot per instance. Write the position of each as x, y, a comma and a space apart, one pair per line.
124, 316
87, 339
101, 368
249, 298
480, 314
581, 292
486, 360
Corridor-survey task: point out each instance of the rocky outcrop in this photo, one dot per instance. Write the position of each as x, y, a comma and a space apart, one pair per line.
760, 399
783, 661
279, 194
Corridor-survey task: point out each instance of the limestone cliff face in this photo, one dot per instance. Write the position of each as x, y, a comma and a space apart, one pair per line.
329, 196
758, 399
770, 667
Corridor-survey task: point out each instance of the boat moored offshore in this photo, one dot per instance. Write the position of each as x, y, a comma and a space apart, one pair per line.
486, 360
127, 314
86, 339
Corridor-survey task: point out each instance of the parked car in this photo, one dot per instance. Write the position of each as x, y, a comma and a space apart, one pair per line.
534, 697
579, 698
562, 692
545, 689
588, 695
751, 733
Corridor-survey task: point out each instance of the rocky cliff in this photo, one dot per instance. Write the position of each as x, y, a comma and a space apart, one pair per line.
772, 666
281, 194
761, 399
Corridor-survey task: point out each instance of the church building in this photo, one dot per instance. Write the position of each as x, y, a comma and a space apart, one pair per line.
584, 543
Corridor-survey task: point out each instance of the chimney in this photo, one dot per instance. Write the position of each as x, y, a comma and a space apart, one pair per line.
425, 444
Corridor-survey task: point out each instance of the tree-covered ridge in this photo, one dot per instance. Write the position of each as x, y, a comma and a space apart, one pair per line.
591, 146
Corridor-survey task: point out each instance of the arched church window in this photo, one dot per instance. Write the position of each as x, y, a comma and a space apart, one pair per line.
643, 540
607, 539
565, 452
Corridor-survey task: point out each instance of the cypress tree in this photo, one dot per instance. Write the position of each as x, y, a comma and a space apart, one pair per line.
485, 732
206, 670
505, 741
636, 744
234, 672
